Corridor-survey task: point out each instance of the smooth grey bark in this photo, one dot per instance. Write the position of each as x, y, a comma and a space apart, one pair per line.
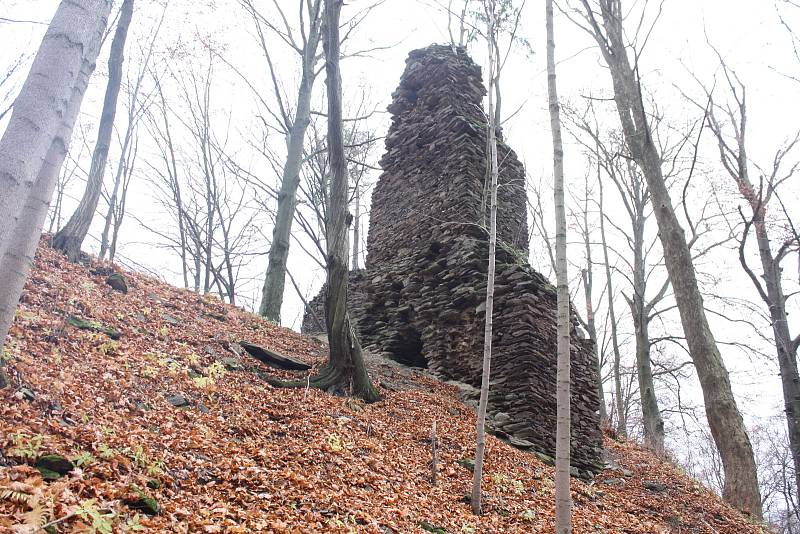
622, 419
487, 333
356, 231
71, 39
275, 278
724, 419
35, 142
345, 371
641, 310
116, 203
70, 238
587, 278
563, 422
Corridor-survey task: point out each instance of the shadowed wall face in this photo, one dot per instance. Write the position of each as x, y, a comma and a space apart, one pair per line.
420, 300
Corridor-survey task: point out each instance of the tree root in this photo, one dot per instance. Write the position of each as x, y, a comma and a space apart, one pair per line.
331, 381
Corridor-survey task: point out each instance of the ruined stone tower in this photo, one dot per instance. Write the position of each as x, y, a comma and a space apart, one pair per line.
420, 300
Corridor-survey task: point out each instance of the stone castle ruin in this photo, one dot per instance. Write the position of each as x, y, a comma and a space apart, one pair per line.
421, 298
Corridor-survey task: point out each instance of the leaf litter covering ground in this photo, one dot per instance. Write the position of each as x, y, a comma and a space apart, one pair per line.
243, 456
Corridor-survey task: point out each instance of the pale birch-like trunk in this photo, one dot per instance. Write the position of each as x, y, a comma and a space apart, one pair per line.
587, 278
275, 278
72, 39
345, 371
356, 231
487, 336
70, 238
35, 142
724, 419
563, 420
622, 423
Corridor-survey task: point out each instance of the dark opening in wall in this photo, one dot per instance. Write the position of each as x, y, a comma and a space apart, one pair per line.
407, 348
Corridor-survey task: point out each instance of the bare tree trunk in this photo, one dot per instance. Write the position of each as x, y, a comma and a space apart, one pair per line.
591, 327
487, 334
588, 288
563, 499
651, 414
69, 239
274, 281
735, 160
345, 371
622, 422
175, 187
356, 231
727, 427
35, 142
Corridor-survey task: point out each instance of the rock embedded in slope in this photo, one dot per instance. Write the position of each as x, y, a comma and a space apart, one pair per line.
54, 463
177, 400
117, 282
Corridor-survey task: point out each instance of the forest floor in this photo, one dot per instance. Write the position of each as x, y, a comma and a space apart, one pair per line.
238, 455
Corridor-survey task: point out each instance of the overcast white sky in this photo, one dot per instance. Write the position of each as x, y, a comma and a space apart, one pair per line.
747, 33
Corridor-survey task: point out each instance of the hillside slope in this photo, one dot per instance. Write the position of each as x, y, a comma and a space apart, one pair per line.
242, 456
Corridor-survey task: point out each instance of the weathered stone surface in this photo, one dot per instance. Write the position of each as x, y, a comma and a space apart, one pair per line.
55, 463
93, 326
420, 300
177, 400
117, 282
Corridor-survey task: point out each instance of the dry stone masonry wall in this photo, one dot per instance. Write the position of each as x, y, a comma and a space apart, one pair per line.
420, 299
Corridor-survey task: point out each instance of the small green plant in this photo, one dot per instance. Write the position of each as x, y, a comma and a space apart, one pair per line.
216, 370
203, 381
99, 520
335, 443
506, 484
163, 331
132, 524
193, 359
105, 451
85, 458
529, 516
148, 371
108, 347
26, 446
153, 466
10, 351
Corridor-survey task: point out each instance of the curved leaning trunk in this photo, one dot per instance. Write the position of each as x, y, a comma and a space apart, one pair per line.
724, 419
275, 279
55, 86
70, 238
15, 264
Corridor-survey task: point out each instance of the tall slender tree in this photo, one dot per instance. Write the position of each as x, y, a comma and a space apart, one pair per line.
622, 423
604, 24
729, 125
563, 499
306, 45
487, 336
70, 238
35, 142
345, 371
